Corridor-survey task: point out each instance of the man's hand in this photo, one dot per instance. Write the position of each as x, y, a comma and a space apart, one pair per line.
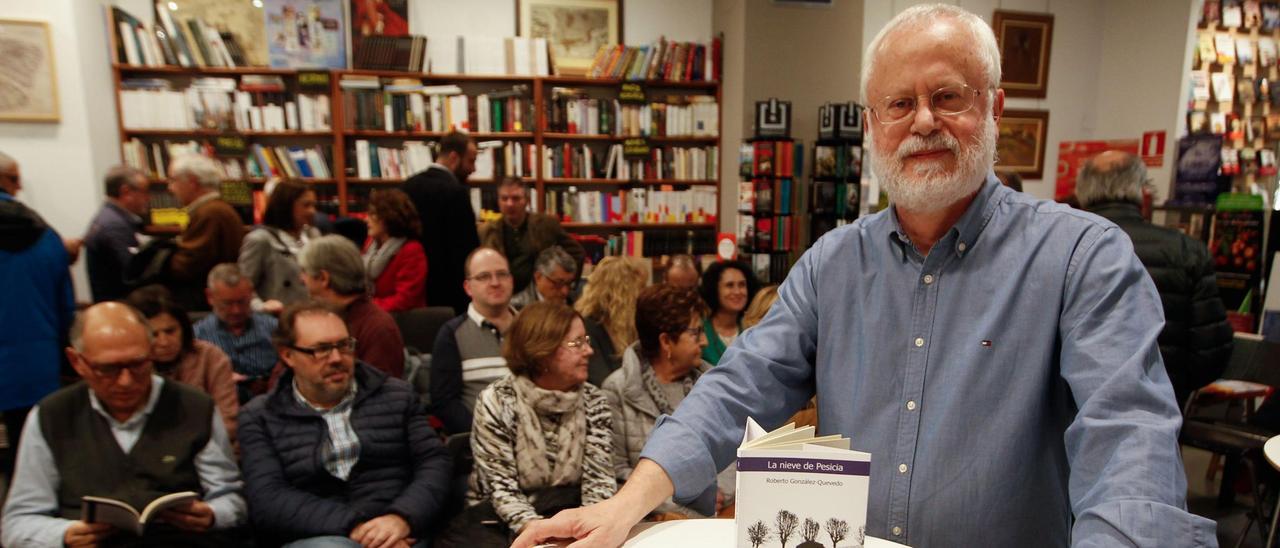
86, 534
603, 525
73, 246
195, 516
381, 532
273, 307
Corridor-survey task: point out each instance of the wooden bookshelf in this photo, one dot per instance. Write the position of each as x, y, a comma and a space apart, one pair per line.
340, 137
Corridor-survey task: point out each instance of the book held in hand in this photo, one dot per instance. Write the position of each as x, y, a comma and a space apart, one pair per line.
797, 488
124, 517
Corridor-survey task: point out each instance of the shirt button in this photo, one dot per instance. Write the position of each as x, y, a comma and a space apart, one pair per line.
897, 531
919, 341
911, 405
902, 468
961, 247
928, 279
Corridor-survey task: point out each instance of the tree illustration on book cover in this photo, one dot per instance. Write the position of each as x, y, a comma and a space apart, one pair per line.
838, 529
785, 523
757, 533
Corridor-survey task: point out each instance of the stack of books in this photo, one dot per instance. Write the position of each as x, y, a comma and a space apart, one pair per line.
189, 42
661, 60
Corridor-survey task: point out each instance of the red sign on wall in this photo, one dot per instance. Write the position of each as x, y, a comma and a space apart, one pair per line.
1153, 148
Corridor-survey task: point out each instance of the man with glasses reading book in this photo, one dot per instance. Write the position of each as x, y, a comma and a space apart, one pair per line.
375, 474
122, 433
996, 354
467, 355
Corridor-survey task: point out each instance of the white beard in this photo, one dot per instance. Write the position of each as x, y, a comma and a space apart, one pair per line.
928, 187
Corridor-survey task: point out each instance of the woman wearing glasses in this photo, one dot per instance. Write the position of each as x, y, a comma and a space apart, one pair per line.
657, 372
176, 353
541, 438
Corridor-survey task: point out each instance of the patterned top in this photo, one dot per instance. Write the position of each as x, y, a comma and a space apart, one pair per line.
343, 450
493, 441
251, 352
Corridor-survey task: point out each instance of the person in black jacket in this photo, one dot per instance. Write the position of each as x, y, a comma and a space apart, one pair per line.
448, 222
1196, 340
339, 453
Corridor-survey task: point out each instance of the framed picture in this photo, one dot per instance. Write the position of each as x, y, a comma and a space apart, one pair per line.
28, 82
1020, 147
1025, 41
574, 29
376, 18
305, 33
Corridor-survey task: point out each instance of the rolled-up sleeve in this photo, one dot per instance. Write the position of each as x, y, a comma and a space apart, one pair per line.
1127, 483
30, 513
220, 478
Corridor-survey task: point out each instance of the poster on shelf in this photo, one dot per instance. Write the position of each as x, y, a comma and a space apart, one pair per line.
377, 18
305, 33
1073, 154
1196, 174
1236, 248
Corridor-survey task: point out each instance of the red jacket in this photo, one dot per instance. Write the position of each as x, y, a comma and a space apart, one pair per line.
402, 285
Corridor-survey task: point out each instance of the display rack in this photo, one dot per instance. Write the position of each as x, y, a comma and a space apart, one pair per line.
836, 172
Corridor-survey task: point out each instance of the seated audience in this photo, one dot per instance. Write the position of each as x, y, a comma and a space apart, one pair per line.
727, 287
393, 256
122, 433
112, 238
542, 438
521, 235
213, 233
338, 453
334, 273
467, 354
553, 276
242, 334
657, 372
608, 307
269, 254
759, 306
177, 355
682, 272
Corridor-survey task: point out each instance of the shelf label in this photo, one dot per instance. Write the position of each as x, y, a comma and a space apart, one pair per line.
229, 145
314, 80
635, 146
631, 93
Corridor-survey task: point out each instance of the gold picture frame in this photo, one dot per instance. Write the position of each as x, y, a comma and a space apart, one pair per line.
1020, 146
28, 75
574, 29
1026, 40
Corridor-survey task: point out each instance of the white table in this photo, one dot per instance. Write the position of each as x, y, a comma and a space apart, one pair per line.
1272, 451
703, 533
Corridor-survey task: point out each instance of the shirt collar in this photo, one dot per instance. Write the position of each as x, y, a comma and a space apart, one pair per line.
479, 319
968, 227
129, 215
342, 405
203, 199
222, 326
157, 382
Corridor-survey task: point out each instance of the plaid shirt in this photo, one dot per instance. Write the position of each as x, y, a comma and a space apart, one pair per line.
251, 353
343, 450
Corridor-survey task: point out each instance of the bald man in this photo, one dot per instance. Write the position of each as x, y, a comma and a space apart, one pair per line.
122, 433
683, 272
1196, 340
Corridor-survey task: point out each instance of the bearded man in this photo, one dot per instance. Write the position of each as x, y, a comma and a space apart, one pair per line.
996, 354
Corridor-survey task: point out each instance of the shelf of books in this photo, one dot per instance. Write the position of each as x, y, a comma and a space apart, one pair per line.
836, 175
766, 205
639, 133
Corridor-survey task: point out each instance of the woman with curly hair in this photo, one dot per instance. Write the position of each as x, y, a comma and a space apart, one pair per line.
393, 257
608, 306
727, 287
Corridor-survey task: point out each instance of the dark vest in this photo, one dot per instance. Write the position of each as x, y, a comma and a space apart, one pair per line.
90, 462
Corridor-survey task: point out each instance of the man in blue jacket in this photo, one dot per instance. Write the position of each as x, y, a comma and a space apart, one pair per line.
338, 453
39, 304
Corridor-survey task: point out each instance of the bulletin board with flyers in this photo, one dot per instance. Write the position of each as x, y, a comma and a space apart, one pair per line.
1235, 90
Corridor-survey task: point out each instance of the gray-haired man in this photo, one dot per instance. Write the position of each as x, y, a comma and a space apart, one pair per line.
553, 275
241, 333
213, 233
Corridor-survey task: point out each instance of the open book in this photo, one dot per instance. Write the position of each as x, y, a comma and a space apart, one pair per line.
800, 489
125, 517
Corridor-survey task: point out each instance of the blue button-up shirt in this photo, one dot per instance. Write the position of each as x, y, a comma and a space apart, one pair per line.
251, 352
1003, 383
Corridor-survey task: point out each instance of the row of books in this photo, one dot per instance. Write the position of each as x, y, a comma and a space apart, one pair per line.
766, 196
485, 55
1235, 14
407, 105
189, 42
765, 234
842, 162
661, 60
571, 110
770, 268
1228, 50
674, 163
154, 158
292, 162
835, 199
658, 242
221, 104
769, 158
637, 205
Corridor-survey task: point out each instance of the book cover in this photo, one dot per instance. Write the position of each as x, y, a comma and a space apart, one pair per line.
1206, 49
798, 489
1226, 48
305, 33
1252, 14
1232, 14
1244, 51
1270, 16
1223, 87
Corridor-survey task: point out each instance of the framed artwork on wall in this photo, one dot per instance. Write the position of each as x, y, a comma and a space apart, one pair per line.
574, 29
1025, 40
28, 81
1020, 147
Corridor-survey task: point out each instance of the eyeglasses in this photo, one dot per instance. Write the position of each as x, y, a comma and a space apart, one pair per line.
579, 343
112, 371
559, 284
946, 101
486, 277
345, 347
694, 332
